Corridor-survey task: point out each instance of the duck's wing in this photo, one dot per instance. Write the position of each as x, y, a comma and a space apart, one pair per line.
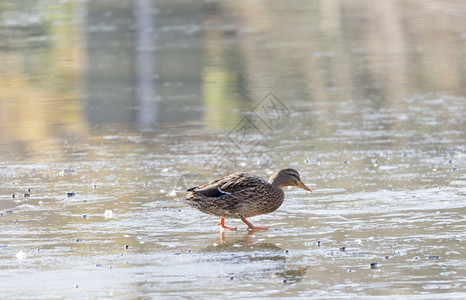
230, 184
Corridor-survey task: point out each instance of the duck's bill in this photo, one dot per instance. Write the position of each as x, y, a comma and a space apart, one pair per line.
303, 186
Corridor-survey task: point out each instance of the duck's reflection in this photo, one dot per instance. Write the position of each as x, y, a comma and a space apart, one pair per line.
247, 237
253, 258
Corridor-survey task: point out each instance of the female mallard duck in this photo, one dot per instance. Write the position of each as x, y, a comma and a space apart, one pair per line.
242, 195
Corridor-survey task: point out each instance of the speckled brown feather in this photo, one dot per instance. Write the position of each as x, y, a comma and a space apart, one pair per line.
235, 196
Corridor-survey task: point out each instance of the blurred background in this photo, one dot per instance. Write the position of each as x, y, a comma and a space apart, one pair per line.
67, 66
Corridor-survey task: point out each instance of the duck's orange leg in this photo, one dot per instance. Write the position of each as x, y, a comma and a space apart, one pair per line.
222, 224
252, 226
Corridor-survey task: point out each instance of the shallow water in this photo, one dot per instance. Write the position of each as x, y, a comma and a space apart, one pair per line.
107, 118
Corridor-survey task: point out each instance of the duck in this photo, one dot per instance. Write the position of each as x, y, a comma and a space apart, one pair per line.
243, 195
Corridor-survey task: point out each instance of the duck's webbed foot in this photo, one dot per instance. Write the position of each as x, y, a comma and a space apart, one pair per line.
251, 226
222, 225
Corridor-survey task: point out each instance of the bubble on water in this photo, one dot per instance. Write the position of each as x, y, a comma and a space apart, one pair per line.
172, 193
263, 162
308, 161
164, 170
108, 214
21, 255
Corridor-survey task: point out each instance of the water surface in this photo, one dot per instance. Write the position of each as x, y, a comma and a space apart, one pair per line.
110, 110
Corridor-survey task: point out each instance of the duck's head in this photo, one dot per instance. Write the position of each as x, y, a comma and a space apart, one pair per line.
287, 177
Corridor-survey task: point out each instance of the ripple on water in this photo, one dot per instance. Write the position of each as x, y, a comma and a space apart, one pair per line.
87, 199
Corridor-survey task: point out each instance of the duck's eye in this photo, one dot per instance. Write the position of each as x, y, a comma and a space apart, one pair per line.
294, 176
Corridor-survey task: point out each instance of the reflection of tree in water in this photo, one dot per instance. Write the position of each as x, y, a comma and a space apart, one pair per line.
254, 259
